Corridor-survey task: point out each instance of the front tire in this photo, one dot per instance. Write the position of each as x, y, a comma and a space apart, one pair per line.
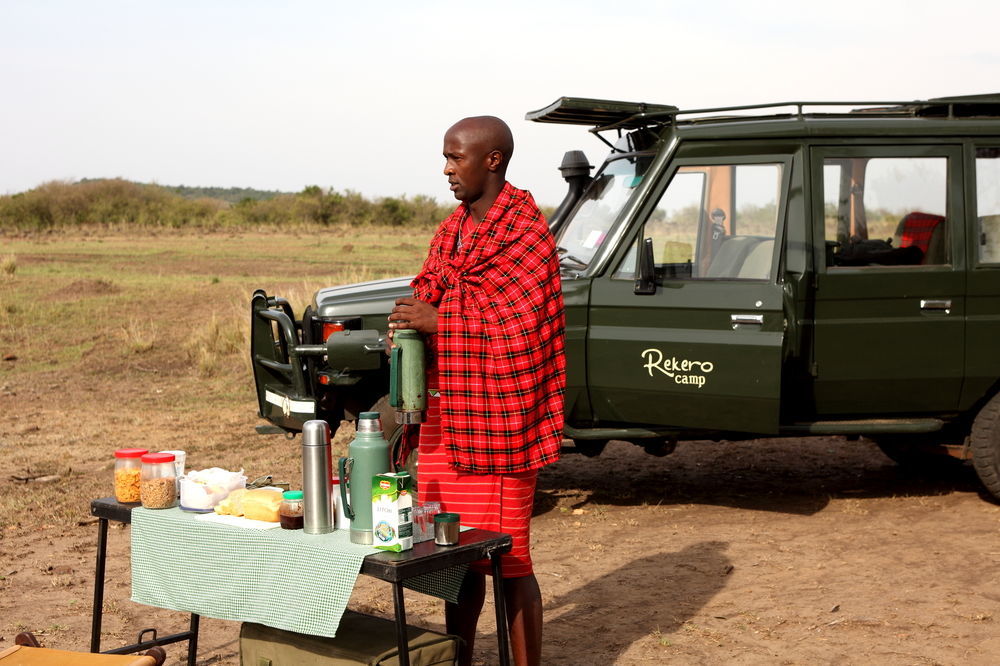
985, 445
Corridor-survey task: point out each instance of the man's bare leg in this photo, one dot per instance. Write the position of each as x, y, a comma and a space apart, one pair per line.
523, 601
524, 617
461, 618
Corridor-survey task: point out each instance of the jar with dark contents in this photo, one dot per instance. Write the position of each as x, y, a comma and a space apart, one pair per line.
290, 511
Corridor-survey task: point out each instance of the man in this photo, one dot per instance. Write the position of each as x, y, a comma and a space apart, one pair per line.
489, 303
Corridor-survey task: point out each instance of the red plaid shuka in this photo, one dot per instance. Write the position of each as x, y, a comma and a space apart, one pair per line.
500, 343
917, 230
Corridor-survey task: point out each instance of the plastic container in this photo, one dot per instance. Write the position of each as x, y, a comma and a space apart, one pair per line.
202, 490
128, 469
423, 521
179, 459
446, 528
290, 512
158, 481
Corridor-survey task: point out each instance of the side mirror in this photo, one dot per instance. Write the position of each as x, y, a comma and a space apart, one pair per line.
645, 282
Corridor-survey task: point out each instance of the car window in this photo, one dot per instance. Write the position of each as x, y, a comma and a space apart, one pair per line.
714, 222
988, 204
885, 211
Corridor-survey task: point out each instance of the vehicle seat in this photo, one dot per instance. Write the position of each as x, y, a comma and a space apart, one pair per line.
757, 265
732, 253
926, 232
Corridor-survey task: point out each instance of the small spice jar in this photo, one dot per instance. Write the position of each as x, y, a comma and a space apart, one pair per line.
290, 512
127, 470
446, 529
158, 481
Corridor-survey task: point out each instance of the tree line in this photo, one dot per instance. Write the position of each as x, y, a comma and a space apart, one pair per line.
118, 204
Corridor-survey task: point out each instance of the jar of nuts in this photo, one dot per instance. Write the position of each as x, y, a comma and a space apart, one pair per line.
127, 469
158, 481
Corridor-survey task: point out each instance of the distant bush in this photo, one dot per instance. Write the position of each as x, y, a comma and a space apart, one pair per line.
120, 204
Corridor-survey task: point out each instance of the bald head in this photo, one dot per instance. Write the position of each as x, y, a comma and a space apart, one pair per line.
487, 133
476, 152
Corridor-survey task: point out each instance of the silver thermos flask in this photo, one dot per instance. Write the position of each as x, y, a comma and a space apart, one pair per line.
317, 467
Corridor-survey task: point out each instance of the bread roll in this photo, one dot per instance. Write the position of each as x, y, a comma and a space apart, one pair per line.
262, 504
233, 504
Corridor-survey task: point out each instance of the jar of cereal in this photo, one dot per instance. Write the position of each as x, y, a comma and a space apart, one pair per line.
158, 481
127, 469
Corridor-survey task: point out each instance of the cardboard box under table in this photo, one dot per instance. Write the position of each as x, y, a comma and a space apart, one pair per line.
282, 578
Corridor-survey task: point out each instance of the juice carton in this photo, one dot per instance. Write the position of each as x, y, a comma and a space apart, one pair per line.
392, 509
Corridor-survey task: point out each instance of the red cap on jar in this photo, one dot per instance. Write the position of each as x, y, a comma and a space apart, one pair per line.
158, 458
130, 453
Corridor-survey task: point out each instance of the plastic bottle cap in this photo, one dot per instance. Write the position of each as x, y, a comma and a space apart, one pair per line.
131, 453
292, 494
370, 415
445, 517
158, 458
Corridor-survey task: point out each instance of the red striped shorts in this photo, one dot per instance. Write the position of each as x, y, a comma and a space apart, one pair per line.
497, 502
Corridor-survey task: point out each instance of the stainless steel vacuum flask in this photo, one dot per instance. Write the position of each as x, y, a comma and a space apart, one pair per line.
317, 468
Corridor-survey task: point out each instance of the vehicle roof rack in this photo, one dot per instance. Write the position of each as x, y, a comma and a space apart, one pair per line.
609, 114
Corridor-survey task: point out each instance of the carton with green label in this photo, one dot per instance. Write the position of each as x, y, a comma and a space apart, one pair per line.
392, 511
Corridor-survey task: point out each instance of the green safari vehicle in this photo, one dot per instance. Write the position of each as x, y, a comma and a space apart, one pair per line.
770, 270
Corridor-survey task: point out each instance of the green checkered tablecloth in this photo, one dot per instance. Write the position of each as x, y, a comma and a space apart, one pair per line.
280, 578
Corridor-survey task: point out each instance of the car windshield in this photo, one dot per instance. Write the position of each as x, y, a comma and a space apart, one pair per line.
583, 236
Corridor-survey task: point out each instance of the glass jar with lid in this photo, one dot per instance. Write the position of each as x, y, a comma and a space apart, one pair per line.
127, 470
158, 481
290, 512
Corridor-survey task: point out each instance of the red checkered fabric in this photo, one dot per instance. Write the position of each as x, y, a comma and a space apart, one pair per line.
917, 230
500, 336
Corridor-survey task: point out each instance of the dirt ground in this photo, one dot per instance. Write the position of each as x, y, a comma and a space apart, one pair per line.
807, 551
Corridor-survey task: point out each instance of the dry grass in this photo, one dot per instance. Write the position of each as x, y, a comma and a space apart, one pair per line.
216, 343
8, 265
143, 341
139, 335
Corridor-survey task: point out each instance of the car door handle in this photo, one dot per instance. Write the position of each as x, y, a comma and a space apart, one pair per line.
942, 305
746, 319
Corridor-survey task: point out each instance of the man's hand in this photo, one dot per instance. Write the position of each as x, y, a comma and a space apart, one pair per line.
412, 313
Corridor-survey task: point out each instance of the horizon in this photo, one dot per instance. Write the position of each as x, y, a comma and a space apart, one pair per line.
251, 95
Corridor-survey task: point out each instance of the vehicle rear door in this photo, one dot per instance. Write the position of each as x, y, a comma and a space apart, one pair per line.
890, 284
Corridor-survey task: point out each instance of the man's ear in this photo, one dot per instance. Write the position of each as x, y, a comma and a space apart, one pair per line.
494, 160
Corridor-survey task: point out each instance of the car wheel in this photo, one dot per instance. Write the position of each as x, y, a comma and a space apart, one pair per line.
985, 444
393, 433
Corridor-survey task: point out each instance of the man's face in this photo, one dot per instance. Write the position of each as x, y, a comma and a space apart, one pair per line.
466, 164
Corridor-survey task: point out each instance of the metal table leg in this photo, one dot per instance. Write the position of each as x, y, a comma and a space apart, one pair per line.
193, 639
97, 615
98, 611
402, 642
500, 605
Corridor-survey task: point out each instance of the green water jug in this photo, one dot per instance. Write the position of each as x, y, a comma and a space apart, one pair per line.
407, 377
367, 455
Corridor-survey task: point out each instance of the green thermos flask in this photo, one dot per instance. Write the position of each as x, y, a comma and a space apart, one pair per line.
367, 455
407, 377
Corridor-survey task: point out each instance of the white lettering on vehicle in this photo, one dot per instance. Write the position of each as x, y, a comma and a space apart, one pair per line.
682, 371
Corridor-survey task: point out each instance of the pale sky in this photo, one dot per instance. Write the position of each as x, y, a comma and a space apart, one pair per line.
357, 95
